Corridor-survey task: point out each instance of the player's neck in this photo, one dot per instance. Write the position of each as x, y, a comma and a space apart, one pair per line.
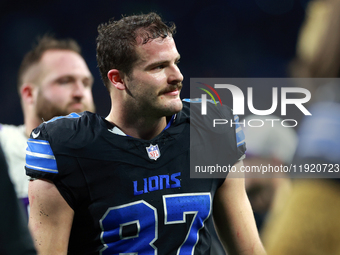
30, 124
138, 127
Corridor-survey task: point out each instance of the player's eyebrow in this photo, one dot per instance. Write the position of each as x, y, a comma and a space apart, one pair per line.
162, 62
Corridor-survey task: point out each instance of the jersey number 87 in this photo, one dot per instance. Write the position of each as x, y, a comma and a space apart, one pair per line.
144, 218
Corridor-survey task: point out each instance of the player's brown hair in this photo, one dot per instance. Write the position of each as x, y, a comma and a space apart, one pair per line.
116, 41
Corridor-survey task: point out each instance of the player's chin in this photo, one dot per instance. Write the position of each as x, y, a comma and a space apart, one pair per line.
175, 105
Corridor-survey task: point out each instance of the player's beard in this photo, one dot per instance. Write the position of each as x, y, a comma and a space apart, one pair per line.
46, 110
146, 101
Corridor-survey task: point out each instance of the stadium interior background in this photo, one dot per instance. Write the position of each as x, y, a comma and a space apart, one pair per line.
216, 38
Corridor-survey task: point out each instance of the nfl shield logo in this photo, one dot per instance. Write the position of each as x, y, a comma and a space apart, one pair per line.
153, 152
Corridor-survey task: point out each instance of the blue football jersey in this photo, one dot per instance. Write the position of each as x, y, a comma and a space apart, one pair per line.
130, 195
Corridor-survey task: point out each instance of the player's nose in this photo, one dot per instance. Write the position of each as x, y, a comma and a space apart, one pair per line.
78, 89
175, 75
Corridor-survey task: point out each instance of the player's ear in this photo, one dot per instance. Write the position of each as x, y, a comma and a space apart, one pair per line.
116, 79
26, 93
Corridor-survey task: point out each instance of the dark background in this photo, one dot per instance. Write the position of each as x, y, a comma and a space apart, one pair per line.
216, 38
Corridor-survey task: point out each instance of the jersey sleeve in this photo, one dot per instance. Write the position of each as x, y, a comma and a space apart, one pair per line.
48, 157
240, 139
216, 138
40, 160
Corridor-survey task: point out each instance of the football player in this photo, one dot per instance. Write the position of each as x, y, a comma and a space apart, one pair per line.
53, 80
121, 184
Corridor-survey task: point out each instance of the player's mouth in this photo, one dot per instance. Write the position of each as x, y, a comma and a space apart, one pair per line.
172, 91
77, 107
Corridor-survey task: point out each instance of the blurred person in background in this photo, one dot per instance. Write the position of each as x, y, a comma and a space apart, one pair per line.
268, 144
15, 238
53, 80
309, 222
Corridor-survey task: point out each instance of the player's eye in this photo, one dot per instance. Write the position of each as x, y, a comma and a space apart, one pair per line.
64, 80
87, 83
159, 67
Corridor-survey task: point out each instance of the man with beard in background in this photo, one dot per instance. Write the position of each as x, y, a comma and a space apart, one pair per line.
53, 80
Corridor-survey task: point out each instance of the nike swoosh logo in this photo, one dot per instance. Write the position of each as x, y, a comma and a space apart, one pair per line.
35, 135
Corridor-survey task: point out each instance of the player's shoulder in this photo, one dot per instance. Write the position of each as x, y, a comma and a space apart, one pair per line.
195, 109
63, 135
215, 133
69, 120
212, 118
67, 129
